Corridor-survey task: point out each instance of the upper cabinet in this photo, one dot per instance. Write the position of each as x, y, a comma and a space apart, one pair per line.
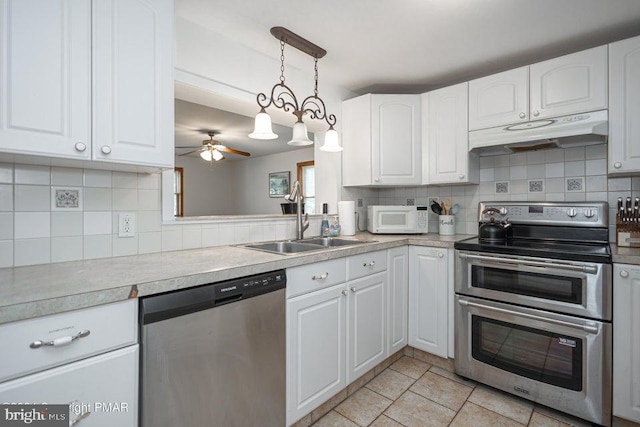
499, 99
624, 108
570, 84
381, 140
88, 80
447, 159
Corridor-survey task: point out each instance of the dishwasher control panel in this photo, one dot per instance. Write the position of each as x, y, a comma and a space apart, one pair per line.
248, 287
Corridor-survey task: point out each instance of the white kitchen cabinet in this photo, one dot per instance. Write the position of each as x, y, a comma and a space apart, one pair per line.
626, 341
428, 299
447, 159
45, 77
624, 108
102, 391
381, 140
397, 298
88, 80
569, 84
499, 99
366, 336
316, 339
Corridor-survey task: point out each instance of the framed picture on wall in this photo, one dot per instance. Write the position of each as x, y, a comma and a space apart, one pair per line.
279, 184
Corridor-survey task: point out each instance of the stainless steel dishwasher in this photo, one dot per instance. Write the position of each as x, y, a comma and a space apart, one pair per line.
214, 355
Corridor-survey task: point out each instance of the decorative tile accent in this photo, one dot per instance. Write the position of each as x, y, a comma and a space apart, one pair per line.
66, 199
502, 187
575, 184
411, 202
536, 186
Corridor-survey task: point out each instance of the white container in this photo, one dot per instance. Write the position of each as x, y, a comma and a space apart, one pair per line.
446, 225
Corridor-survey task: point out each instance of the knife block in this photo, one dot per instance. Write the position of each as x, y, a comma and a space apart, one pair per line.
627, 232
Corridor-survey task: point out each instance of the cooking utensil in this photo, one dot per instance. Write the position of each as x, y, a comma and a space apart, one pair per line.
455, 209
447, 206
444, 209
435, 208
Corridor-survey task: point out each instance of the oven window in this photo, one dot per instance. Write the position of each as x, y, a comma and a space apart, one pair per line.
557, 288
540, 355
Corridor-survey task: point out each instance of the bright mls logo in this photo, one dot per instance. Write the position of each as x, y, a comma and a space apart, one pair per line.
34, 415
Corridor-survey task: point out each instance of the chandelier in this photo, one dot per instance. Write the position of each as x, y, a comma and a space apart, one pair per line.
282, 97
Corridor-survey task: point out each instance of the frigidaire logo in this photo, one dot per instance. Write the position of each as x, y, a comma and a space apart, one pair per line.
34, 415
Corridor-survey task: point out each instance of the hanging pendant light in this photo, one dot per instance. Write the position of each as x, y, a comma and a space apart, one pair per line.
282, 97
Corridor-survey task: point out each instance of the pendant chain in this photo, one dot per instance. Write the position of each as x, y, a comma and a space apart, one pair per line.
281, 61
315, 89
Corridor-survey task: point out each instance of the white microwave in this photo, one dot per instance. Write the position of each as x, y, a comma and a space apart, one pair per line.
397, 219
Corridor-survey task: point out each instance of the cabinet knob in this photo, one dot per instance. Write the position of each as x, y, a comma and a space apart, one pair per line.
80, 146
345, 293
624, 273
106, 149
536, 113
377, 179
353, 290
522, 115
440, 255
369, 264
617, 165
461, 176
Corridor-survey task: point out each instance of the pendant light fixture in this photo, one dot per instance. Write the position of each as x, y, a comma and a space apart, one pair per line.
282, 97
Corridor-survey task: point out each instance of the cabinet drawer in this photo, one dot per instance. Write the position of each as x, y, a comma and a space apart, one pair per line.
102, 391
365, 264
312, 277
110, 326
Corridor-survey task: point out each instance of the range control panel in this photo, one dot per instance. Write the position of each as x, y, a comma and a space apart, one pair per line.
575, 214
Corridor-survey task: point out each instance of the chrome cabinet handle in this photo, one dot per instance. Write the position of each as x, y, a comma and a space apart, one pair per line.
624, 273
320, 277
80, 146
536, 113
106, 149
582, 326
354, 290
522, 115
345, 293
60, 341
526, 263
369, 264
617, 165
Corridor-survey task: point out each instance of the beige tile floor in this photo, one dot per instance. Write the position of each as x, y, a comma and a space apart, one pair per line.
413, 393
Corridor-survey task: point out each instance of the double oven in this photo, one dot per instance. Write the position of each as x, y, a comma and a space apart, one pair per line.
533, 313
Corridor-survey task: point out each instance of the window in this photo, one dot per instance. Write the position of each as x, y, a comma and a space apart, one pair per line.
307, 179
178, 199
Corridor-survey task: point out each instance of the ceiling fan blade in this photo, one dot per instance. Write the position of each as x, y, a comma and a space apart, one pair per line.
232, 151
191, 152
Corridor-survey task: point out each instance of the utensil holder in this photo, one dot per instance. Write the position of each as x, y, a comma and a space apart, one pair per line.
627, 232
446, 225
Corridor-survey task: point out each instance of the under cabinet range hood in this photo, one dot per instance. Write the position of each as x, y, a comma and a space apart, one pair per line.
558, 132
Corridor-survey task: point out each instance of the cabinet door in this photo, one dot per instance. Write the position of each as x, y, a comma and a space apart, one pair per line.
133, 82
397, 298
448, 157
428, 289
624, 107
356, 141
316, 331
101, 391
366, 345
45, 71
395, 137
626, 342
569, 84
499, 99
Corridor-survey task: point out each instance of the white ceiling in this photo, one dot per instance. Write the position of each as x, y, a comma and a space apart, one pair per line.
412, 46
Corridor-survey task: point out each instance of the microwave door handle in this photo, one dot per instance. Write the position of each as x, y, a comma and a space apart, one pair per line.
592, 269
584, 327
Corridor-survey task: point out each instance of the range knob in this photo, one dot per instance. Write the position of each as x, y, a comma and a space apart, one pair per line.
503, 211
589, 213
572, 212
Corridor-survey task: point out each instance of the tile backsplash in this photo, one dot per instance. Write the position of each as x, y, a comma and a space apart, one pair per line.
52, 214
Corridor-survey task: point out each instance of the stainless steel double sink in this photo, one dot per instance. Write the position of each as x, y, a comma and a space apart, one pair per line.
304, 245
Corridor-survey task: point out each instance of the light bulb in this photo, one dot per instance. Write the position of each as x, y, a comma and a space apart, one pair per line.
262, 127
206, 155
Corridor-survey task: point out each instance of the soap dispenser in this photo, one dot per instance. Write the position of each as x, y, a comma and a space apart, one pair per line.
324, 226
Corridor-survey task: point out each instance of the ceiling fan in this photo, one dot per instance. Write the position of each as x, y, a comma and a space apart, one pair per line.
212, 149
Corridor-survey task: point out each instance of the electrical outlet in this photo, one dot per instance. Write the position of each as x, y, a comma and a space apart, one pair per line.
360, 203
126, 225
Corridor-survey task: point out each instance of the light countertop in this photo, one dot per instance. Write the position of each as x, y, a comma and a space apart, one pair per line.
625, 255
33, 291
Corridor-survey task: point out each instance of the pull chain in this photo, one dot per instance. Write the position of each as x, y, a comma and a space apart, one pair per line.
281, 61
315, 89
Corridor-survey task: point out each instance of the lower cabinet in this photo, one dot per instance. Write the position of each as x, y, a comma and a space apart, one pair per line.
397, 298
626, 342
429, 299
102, 391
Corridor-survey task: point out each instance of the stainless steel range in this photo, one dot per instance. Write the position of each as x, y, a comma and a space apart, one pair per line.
533, 309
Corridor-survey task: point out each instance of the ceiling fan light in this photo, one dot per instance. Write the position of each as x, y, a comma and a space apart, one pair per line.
262, 127
216, 155
206, 155
300, 136
331, 141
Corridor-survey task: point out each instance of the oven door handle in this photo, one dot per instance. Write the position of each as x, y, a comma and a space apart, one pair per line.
592, 269
585, 327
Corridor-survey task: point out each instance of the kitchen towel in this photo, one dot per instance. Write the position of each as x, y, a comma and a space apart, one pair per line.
347, 215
